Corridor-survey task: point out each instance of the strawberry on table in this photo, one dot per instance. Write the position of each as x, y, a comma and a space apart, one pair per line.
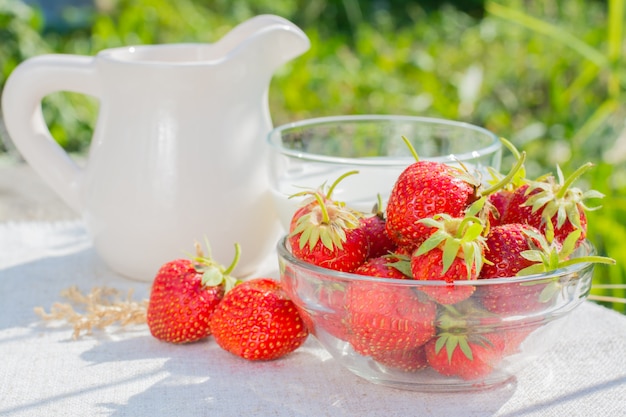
257, 321
184, 294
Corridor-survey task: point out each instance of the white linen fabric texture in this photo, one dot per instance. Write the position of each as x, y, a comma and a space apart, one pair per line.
126, 372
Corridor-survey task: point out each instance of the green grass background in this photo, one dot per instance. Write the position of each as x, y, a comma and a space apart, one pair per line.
549, 75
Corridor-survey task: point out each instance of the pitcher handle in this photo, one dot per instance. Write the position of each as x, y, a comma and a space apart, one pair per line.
24, 90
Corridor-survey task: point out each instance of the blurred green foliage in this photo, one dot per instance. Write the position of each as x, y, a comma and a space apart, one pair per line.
549, 75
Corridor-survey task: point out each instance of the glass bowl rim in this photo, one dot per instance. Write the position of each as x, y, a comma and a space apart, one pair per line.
275, 133
283, 252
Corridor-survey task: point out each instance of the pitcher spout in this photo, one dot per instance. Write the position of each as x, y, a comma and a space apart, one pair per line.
271, 39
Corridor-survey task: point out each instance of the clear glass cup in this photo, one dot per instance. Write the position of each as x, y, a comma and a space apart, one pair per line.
309, 153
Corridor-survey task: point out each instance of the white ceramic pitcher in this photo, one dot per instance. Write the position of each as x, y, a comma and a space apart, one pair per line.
178, 152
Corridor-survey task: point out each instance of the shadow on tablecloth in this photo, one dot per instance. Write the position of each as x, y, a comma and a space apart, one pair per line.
201, 379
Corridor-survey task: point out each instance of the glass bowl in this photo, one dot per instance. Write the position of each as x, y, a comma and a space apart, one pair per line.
308, 153
514, 320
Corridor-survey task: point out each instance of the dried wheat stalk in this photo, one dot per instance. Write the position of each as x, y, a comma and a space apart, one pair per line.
101, 308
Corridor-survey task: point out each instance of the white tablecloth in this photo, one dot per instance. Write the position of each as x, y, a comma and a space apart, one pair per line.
126, 372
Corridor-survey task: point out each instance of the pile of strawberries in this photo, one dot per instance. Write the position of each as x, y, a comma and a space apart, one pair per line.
441, 223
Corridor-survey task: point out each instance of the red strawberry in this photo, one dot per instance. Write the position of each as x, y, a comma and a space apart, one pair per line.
405, 360
468, 356
538, 294
426, 189
552, 205
386, 318
344, 251
513, 338
386, 266
498, 203
466, 344
331, 314
503, 258
422, 190
309, 288
504, 245
375, 230
379, 241
429, 266
257, 321
184, 295
501, 192
452, 253
333, 320
326, 233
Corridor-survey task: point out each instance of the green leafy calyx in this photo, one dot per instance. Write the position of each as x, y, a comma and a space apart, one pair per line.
213, 273
326, 220
556, 197
456, 237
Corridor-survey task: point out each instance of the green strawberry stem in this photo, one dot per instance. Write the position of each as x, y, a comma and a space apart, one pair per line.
511, 148
476, 207
548, 257
411, 148
378, 207
338, 180
328, 193
467, 228
214, 274
235, 261
591, 259
540, 268
573, 177
323, 208
508, 177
